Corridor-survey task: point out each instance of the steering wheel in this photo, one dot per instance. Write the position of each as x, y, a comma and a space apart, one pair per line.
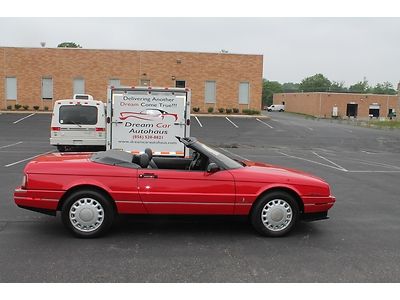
193, 163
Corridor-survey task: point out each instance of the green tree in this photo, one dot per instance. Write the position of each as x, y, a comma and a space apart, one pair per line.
268, 91
69, 45
338, 87
385, 88
290, 87
316, 83
361, 87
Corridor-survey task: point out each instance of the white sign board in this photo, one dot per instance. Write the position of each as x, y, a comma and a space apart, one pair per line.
149, 120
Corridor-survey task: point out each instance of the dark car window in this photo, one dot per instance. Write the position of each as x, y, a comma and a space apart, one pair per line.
78, 114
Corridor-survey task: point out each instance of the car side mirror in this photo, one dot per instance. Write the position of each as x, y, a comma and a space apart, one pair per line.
212, 168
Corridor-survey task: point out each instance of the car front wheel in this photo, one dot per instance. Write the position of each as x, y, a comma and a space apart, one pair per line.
275, 214
87, 214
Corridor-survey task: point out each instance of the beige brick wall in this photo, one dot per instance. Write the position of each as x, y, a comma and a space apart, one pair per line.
321, 104
29, 65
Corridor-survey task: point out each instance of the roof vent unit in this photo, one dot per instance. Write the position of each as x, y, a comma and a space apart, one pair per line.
83, 97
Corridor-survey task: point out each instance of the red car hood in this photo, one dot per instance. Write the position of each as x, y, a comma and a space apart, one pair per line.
267, 172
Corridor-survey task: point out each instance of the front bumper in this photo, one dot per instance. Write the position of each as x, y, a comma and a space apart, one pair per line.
317, 204
38, 200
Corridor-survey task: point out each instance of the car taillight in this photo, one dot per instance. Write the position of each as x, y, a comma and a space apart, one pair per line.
24, 182
55, 128
100, 129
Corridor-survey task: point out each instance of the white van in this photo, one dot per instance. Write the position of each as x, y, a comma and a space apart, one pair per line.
78, 123
276, 107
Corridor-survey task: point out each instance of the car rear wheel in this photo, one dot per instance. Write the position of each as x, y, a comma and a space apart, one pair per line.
275, 214
87, 214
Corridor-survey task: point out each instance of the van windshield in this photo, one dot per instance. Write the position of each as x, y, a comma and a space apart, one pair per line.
78, 115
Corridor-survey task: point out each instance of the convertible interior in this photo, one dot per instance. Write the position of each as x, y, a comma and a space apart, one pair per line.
198, 162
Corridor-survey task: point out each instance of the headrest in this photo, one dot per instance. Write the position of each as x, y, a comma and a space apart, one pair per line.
149, 153
144, 160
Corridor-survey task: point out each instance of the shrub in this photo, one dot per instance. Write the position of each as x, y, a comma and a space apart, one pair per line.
25, 107
236, 110
228, 110
250, 111
196, 109
9, 107
46, 108
36, 107
210, 109
17, 106
221, 110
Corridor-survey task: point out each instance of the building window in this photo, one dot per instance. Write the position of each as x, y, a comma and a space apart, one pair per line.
114, 82
210, 92
144, 82
180, 83
11, 88
79, 86
244, 93
47, 88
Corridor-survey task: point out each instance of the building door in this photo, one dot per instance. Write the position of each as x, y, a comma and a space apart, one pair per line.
352, 110
374, 111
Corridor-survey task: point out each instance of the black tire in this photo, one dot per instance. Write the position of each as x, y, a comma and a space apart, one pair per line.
92, 206
277, 205
61, 148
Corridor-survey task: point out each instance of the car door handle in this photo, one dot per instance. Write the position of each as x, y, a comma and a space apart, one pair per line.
148, 175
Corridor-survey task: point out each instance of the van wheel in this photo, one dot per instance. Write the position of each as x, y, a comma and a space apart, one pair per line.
87, 214
275, 214
61, 148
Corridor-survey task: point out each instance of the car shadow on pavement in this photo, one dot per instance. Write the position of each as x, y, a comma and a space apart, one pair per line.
195, 225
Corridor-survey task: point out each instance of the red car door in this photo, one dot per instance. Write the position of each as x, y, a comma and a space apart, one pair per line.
186, 192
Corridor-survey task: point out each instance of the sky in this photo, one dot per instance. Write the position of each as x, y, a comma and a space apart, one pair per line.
343, 49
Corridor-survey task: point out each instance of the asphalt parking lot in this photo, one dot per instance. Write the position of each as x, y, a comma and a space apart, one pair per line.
359, 243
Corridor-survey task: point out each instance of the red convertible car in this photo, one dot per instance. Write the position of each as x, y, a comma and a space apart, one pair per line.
91, 189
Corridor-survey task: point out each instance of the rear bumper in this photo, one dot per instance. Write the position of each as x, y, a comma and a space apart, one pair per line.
38, 200
78, 142
318, 204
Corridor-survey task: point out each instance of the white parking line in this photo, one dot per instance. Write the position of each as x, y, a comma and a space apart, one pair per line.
15, 122
227, 151
22, 160
368, 152
335, 164
198, 121
232, 122
264, 123
372, 171
314, 162
6, 146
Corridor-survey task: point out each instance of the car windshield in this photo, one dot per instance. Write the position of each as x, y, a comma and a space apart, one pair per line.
78, 114
212, 153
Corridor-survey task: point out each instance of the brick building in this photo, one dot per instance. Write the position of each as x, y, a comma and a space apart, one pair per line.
39, 76
322, 105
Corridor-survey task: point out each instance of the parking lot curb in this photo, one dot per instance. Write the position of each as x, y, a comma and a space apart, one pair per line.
25, 112
231, 116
